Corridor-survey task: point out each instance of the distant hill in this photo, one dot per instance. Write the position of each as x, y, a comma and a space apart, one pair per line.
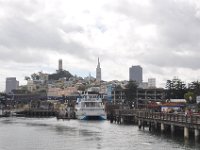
60, 74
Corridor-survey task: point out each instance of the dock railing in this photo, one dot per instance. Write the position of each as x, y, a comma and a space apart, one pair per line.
171, 117
193, 119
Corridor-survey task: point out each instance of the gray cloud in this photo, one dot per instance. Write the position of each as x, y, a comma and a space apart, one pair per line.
19, 32
178, 23
116, 31
25, 27
20, 56
67, 28
20, 35
177, 27
171, 59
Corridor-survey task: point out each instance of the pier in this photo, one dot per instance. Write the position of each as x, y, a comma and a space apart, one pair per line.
123, 116
58, 113
37, 113
159, 121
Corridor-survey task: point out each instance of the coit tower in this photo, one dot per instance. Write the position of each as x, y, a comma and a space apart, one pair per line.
60, 65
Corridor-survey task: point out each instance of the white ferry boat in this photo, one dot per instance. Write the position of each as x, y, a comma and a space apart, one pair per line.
90, 107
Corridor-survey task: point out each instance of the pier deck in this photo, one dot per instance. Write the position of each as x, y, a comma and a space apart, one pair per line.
158, 120
182, 120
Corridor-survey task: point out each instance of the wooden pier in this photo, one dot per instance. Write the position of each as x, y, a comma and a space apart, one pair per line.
123, 116
37, 113
159, 121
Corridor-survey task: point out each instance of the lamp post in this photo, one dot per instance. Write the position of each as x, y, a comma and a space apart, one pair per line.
114, 99
114, 95
137, 99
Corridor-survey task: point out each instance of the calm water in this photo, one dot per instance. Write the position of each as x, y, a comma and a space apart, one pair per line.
50, 134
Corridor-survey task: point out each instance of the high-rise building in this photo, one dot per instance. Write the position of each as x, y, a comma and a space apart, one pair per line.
60, 68
135, 74
98, 71
151, 82
11, 84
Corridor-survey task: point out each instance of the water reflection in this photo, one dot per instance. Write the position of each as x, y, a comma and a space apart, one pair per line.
176, 139
51, 134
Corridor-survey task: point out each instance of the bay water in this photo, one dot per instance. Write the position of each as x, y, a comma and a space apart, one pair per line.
18, 133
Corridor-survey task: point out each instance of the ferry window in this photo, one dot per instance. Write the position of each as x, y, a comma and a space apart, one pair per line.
97, 104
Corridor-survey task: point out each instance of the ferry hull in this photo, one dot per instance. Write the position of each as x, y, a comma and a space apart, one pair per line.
84, 117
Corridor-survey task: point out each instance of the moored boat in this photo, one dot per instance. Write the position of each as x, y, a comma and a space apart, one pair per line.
90, 107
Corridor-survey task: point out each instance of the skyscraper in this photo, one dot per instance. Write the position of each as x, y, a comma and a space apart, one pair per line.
135, 74
98, 71
11, 84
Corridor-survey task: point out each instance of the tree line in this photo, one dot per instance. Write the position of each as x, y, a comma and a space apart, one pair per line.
177, 89
174, 89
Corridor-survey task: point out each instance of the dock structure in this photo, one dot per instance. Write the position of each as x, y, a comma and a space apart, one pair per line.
159, 121
37, 113
66, 114
170, 120
123, 116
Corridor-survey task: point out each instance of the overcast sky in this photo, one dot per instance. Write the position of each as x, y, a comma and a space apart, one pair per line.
161, 36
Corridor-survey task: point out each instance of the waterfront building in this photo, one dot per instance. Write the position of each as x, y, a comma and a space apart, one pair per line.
118, 94
109, 92
144, 96
135, 74
98, 71
11, 84
151, 82
31, 86
25, 97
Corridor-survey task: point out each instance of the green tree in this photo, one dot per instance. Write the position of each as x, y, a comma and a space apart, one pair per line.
190, 97
169, 89
81, 88
195, 87
130, 92
60, 74
35, 76
27, 78
175, 88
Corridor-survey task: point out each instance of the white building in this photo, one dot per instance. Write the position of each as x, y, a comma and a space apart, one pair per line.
43, 76
151, 82
31, 86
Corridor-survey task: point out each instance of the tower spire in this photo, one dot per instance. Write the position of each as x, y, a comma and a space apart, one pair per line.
98, 71
98, 66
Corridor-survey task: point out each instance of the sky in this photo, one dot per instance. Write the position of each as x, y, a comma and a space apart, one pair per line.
163, 37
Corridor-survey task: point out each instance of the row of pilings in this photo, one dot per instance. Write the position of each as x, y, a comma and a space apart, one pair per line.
187, 131
168, 123
37, 113
59, 114
122, 115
